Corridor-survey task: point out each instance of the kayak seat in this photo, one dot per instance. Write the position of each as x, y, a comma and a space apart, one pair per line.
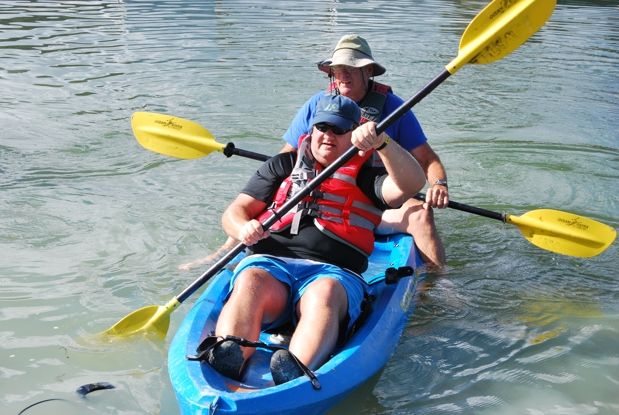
280, 335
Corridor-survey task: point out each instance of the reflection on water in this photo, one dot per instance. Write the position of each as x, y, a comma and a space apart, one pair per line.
94, 227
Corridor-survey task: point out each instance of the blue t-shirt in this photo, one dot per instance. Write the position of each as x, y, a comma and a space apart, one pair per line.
406, 130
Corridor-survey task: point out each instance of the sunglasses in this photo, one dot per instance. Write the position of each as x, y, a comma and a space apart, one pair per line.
324, 127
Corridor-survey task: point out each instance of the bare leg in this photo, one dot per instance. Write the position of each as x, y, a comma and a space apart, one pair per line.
257, 298
413, 219
221, 251
322, 308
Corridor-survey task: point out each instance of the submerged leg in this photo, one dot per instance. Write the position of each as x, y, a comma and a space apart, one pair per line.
221, 251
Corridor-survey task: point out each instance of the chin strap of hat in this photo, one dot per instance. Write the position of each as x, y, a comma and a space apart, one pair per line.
332, 82
366, 81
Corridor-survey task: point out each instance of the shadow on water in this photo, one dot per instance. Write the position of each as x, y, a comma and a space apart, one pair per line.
360, 401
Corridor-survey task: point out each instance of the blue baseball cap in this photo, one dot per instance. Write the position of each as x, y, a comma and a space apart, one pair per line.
337, 110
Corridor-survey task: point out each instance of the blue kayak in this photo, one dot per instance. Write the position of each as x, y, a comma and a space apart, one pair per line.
201, 390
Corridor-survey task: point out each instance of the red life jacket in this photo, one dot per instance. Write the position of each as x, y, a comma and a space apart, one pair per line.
339, 208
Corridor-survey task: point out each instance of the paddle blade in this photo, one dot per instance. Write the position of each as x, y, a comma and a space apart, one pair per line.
564, 233
152, 319
499, 29
173, 136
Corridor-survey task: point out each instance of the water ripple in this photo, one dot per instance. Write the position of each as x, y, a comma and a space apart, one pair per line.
94, 226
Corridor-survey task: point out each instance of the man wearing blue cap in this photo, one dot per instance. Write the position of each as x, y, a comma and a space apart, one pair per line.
305, 268
351, 69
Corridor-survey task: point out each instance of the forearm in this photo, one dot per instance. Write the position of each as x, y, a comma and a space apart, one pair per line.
233, 220
437, 194
430, 162
405, 175
435, 171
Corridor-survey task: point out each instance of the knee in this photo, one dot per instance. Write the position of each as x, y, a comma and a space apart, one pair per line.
417, 216
326, 293
257, 284
247, 282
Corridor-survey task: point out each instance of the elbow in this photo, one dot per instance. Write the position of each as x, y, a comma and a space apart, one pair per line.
224, 222
227, 221
414, 187
420, 182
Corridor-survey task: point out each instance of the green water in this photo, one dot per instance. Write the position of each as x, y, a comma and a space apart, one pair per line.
92, 226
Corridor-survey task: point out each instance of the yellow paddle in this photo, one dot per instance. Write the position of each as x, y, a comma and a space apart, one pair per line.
179, 138
564, 233
553, 230
498, 29
495, 32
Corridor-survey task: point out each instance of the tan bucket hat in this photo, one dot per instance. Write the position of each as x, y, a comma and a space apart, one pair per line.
352, 50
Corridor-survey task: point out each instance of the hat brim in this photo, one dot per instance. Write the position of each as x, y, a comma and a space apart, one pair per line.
333, 119
351, 57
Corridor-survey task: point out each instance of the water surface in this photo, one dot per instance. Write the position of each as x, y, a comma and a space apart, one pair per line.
94, 227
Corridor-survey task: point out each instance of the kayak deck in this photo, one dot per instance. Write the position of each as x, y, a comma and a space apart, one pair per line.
201, 390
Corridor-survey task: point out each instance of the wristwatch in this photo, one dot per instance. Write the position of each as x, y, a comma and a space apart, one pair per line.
441, 182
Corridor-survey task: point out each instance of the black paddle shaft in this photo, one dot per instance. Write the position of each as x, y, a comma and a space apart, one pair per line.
230, 150
326, 173
470, 209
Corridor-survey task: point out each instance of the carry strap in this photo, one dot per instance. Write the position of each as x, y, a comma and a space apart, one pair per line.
210, 342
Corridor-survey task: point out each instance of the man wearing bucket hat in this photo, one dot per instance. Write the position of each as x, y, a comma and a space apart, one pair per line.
351, 68
353, 51
304, 269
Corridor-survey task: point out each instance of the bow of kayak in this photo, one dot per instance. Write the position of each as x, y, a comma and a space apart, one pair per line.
201, 390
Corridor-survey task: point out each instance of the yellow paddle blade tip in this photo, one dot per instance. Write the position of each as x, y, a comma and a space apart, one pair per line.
565, 233
173, 136
499, 29
150, 319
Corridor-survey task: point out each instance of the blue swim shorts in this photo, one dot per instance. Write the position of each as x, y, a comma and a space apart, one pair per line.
298, 274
